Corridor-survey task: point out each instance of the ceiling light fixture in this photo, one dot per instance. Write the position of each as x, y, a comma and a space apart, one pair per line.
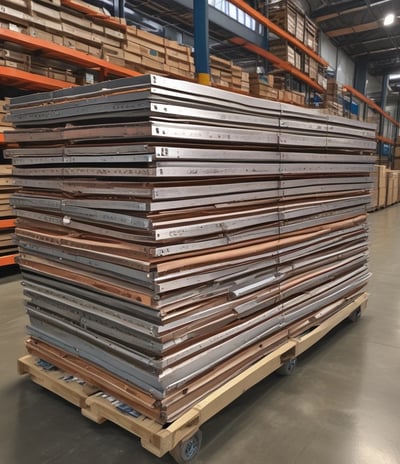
389, 19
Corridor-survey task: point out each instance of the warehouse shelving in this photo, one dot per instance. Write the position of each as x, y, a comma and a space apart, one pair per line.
5, 224
284, 65
89, 11
370, 103
52, 50
7, 260
13, 77
24, 80
279, 31
380, 138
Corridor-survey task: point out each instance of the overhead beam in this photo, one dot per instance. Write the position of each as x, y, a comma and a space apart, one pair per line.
278, 63
333, 11
338, 14
378, 39
223, 21
385, 51
354, 29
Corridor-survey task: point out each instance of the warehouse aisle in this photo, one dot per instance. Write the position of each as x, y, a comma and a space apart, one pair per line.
341, 405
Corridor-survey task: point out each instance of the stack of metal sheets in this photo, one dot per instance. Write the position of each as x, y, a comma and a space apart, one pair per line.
174, 233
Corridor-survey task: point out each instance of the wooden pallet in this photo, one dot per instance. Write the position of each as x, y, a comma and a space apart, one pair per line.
182, 437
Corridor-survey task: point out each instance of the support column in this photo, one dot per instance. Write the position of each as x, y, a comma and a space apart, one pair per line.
119, 8
384, 91
201, 44
360, 76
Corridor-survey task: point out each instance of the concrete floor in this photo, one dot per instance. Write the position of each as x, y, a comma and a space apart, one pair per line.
341, 406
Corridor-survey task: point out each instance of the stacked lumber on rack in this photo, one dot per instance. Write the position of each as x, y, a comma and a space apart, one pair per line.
292, 19
173, 234
263, 87
333, 99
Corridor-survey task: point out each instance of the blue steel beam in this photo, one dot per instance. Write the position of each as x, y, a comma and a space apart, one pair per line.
201, 43
231, 26
384, 92
119, 8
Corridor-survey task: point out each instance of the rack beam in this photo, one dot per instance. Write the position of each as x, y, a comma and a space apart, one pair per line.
7, 260
278, 31
89, 11
28, 81
52, 50
7, 223
370, 103
279, 63
385, 140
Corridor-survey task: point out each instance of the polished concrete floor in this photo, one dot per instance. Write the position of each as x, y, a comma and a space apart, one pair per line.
342, 405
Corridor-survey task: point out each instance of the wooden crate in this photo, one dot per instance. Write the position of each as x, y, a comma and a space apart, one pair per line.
263, 90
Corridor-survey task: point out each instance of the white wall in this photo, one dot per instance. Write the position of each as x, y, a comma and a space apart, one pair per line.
374, 84
345, 69
338, 61
328, 51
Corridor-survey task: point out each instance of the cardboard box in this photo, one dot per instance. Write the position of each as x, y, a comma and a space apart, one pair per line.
382, 186
392, 192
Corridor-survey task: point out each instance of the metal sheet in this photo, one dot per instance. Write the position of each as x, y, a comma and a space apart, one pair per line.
170, 241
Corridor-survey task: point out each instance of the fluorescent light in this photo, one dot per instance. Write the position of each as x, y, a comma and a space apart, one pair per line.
389, 19
394, 76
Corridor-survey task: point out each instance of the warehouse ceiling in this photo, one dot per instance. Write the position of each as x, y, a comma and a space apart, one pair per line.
357, 27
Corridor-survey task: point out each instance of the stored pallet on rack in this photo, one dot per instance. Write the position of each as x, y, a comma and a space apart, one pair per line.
289, 17
263, 87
